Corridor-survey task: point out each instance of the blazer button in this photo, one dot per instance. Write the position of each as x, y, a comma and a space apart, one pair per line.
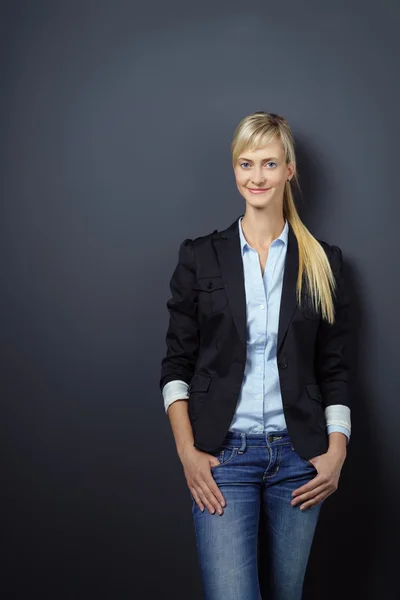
282, 364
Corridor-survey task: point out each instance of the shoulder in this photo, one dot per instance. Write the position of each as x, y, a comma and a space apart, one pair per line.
204, 239
199, 241
334, 254
192, 250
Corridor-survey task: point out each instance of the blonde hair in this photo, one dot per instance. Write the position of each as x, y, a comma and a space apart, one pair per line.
252, 132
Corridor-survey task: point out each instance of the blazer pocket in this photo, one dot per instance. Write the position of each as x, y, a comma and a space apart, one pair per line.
198, 388
200, 383
313, 392
212, 294
317, 404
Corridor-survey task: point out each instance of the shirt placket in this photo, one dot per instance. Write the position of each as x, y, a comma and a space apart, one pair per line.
258, 334
267, 281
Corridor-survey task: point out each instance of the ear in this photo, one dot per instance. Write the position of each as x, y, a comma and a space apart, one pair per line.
290, 171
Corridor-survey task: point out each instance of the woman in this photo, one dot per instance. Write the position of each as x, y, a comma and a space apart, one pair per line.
255, 380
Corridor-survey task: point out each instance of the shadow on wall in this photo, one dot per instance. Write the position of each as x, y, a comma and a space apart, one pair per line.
346, 537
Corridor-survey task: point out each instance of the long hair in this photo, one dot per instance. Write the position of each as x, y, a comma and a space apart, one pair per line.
261, 128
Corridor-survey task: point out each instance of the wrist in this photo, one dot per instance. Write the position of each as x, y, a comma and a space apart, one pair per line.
184, 448
338, 444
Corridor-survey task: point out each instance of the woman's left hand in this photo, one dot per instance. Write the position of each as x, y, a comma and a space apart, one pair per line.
329, 466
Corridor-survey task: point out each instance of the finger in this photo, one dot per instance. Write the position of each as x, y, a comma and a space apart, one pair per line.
319, 498
210, 481
309, 486
311, 494
205, 499
208, 498
196, 498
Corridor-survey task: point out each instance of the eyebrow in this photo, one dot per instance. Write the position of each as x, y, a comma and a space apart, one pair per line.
249, 159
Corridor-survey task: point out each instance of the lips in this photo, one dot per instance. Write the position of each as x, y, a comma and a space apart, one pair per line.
258, 190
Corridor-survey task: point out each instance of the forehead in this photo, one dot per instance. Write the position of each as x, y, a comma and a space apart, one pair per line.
265, 150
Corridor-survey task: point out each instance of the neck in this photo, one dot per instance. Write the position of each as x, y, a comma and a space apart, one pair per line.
260, 229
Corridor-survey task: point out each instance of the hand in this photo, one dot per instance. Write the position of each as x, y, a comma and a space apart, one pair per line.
196, 466
329, 466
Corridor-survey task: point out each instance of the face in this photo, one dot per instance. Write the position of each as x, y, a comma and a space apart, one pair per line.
261, 174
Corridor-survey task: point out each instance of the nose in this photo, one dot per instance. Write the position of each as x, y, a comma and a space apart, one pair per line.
258, 177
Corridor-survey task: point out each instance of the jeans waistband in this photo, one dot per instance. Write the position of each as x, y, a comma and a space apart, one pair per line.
238, 439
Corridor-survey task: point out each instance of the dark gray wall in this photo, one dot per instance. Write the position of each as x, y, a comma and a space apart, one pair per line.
116, 120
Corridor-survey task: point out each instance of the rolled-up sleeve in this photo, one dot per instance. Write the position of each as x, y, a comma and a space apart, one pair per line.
182, 337
333, 351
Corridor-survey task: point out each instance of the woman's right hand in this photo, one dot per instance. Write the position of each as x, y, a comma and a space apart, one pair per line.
201, 483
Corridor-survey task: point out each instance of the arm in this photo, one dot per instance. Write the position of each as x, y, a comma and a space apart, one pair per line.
182, 339
177, 370
339, 436
175, 405
333, 362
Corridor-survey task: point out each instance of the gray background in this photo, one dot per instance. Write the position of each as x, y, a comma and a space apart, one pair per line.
116, 123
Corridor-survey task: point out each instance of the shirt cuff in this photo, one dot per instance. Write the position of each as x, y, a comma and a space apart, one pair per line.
344, 430
174, 390
337, 418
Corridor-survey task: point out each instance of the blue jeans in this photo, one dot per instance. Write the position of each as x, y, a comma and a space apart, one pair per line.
257, 471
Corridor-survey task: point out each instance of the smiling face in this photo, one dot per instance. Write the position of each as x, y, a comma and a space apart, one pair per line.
261, 174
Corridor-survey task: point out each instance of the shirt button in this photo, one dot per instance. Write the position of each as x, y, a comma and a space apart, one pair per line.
261, 306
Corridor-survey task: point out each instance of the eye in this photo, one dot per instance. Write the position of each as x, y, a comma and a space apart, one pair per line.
271, 162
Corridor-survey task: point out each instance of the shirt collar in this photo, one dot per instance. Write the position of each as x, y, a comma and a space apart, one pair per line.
243, 243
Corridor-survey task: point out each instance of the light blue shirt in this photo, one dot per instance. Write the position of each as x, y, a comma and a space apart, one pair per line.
259, 408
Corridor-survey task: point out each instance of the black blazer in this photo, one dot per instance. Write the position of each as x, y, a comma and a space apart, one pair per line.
206, 342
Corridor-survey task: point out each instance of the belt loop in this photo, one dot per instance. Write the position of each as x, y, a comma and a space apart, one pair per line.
243, 446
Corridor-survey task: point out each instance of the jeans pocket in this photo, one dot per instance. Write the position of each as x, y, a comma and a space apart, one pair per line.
225, 455
305, 461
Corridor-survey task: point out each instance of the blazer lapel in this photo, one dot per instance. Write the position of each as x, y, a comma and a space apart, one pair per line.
227, 246
288, 298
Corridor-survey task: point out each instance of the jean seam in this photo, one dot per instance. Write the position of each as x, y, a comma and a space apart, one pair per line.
232, 456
